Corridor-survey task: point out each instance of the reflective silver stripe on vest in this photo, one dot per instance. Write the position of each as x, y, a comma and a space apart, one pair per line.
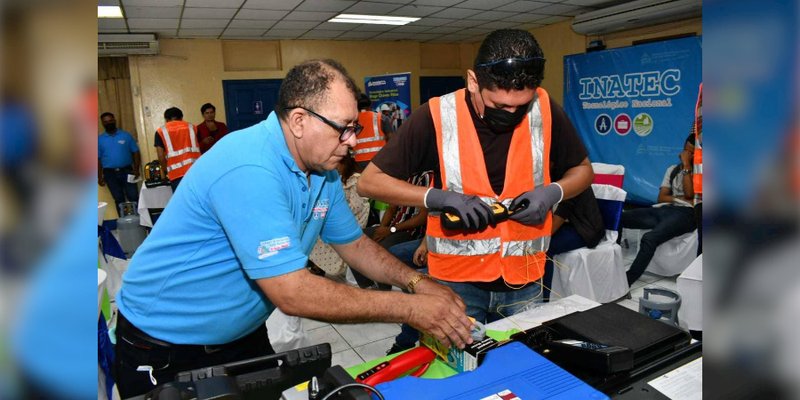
368, 150
455, 247
529, 247
451, 154
192, 139
375, 126
180, 164
698, 168
537, 141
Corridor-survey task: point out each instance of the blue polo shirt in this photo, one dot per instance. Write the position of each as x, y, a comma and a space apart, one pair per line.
244, 211
115, 149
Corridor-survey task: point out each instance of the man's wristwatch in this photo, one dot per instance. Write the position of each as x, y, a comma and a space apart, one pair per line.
393, 229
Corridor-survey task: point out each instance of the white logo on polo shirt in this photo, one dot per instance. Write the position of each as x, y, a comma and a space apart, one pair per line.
269, 248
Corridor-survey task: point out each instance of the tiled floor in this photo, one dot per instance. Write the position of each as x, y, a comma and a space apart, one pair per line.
354, 344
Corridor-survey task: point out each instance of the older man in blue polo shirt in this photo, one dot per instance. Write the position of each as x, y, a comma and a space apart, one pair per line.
234, 243
118, 157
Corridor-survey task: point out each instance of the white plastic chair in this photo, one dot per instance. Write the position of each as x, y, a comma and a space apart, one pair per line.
674, 256
599, 273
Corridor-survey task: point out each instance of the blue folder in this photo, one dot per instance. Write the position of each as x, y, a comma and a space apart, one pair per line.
508, 372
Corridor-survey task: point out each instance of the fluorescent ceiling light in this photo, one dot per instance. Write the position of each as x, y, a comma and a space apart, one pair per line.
372, 19
109, 12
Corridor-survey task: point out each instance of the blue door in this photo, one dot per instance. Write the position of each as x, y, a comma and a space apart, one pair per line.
248, 102
432, 86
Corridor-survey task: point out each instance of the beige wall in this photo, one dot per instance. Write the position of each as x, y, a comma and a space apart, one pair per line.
189, 72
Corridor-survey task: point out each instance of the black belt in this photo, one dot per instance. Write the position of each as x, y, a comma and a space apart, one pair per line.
126, 328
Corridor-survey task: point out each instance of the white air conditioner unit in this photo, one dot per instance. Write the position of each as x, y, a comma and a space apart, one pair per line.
119, 45
635, 14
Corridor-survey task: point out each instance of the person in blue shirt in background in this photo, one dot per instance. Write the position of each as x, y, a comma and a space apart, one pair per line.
234, 244
118, 157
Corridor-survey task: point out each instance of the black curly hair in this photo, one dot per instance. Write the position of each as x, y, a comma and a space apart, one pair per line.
307, 84
504, 44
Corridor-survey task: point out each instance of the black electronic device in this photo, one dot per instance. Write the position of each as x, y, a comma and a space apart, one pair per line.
262, 378
453, 222
333, 380
154, 175
606, 346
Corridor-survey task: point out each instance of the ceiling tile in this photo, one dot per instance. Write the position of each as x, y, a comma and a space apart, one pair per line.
371, 28
483, 4
465, 23
321, 34
422, 37
160, 24
152, 3
325, 5
335, 26
523, 6
525, 18
252, 24
411, 28
500, 24
214, 3
110, 23
393, 36
166, 34
430, 21
208, 32
309, 16
441, 3
475, 31
159, 32
295, 25
559, 9
112, 31
152, 12
272, 4
589, 3
208, 13
108, 3
455, 13
552, 20
355, 35
444, 29
247, 13
237, 32
369, 7
285, 33
416, 11
203, 23
492, 15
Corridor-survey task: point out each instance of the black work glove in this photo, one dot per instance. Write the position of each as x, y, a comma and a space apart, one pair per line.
531, 207
475, 214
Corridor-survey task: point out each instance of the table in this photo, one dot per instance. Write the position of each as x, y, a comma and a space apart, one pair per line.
154, 197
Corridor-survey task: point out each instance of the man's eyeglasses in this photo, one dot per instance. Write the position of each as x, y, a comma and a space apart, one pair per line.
345, 132
514, 65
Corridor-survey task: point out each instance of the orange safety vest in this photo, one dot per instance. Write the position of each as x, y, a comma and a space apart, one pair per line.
181, 144
511, 250
371, 140
697, 178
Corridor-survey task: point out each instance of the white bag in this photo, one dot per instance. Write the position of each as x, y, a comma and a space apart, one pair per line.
286, 332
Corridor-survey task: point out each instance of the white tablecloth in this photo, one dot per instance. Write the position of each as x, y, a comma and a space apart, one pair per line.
156, 197
690, 287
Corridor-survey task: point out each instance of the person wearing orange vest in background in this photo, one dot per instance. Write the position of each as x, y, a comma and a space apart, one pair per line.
371, 140
502, 139
697, 177
176, 145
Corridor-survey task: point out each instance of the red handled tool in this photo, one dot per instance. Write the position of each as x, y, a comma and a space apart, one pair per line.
417, 360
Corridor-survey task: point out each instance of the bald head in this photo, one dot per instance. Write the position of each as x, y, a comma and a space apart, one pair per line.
307, 85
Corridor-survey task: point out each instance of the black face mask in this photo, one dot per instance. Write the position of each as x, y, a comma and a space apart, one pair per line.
502, 121
110, 127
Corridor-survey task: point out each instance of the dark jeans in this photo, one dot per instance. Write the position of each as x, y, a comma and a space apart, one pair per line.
565, 239
117, 181
665, 223
405, 252
135, 348
386, 243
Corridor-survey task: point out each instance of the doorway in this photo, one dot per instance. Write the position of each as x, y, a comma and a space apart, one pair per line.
248, 102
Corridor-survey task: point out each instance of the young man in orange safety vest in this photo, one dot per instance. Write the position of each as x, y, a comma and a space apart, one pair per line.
371, 139
502, 139
176, 145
